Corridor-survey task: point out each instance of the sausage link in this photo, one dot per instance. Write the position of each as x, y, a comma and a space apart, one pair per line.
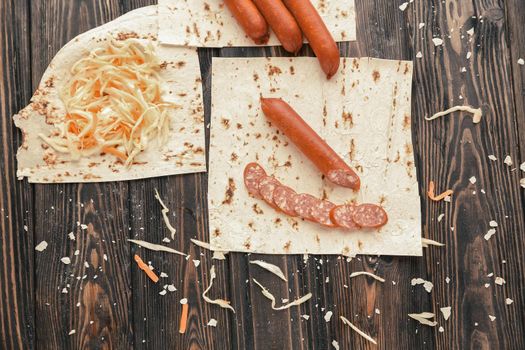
250, 19
282, 116
282, 23
317, 34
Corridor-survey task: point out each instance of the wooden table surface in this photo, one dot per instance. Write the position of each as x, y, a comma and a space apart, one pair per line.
117, 307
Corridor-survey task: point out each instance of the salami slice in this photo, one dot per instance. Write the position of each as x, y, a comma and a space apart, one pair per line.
283, 198
369, 216
267, 185
344, 178
341, 215
304, 205
253, 172
321, 213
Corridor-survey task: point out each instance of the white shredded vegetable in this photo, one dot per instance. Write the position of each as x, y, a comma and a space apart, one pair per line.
165, 212
225, 304
360, 332
428, 242
423, 318
113, 103
359, 273
201, 244
156, 247
270, 296
476, 118
276, 270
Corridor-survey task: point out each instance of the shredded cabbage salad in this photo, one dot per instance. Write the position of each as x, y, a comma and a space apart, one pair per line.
113, 103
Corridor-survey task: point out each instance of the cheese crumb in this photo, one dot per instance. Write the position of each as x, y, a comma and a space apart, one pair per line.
522, 166
492, 318
419, 54
522, 182
196, 262
440, 217
171, 288
377, 311
469, 54
71, 332
489, 234
71, 236
163, 292
437, 41
441, 329
41, 246
492, 157
470, 31
499, 281
509, 301
421, 25
163, 274
306, 317
508, 160
184, 301
66, 260
212, 322
446, 311
403, 6
472, 180
335, 344
426, 284
493, 223
521, 61
447, 280
328, 316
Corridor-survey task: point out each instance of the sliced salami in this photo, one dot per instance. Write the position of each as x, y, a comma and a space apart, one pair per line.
267, 185
341, 215
253, 172
283, 198
369, 216
321, 213
344, 178
304, 205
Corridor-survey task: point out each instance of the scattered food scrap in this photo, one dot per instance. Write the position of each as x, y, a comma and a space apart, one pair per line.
476, 118
428, 242
472, 180
493, 157
439, 197
146, 269
183, 318
424, 318
360, 332
403, 6
499, 281
156, 247
66, 260
437, 41
509, 301
335, 344
359, 273
446, 311
276, 270
212, 322
40, 247
328, 316
225, 304
508, 161
426, 284
165, 212
521, 61
489, 234
270, 296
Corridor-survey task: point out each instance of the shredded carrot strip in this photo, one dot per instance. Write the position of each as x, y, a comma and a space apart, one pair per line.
146, 269
183, 318
439, 197
113, 151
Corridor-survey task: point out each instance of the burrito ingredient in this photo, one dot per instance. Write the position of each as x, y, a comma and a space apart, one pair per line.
304, 205
281, 115
341, 215
321, 213
283, 197
267, 186
142, 265
253, 172
437, 198
250, 19
369, 216
113, 103
282, 23
317, 33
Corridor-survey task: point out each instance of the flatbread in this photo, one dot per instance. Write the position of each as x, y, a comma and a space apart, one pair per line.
183, 153
208, 23
364, 114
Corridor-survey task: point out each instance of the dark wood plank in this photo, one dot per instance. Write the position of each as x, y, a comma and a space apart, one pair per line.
16, 225
97, 304
452, 150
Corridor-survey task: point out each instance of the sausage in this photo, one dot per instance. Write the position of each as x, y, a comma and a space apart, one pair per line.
317, 34
250, 19
282, 23
283, 197
321, 213
267, 186
369, 216
281, 115
341, 215
304, 205
253, 172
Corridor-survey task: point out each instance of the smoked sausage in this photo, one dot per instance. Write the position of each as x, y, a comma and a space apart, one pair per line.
282, 116
250, 19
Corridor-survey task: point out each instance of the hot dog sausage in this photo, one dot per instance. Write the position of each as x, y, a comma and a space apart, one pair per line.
282, 23
317, 34
253, 173
250, 19
369, 216
281, 115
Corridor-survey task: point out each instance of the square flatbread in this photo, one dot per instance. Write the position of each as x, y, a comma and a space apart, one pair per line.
183, 153
208, 23
363, 113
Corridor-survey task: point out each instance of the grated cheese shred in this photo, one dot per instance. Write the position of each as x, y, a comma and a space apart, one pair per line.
113, 103
270, 296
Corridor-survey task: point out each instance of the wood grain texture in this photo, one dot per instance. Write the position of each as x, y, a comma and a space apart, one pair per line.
97, 304
120, 308
16, 198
